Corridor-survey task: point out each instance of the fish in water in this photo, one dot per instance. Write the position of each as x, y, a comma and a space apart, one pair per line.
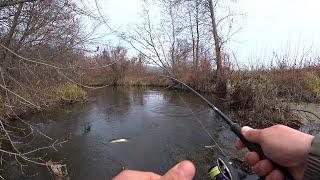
209, 147
121, 140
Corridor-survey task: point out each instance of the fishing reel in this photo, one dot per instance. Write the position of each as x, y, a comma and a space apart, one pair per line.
223, 169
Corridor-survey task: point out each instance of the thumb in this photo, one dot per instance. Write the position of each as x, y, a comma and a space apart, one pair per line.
185, 170
252, 135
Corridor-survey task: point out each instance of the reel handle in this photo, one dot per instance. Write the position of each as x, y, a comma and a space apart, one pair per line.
257, 148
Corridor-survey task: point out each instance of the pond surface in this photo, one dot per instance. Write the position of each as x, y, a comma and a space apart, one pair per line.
159, 125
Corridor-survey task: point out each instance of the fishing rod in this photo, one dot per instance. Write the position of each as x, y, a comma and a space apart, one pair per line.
236, 129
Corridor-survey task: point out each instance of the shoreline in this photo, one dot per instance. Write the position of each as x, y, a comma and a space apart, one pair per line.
226, 104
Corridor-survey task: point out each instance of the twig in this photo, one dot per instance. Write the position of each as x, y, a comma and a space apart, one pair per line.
20, 97
81, 85
305, 111
41, 62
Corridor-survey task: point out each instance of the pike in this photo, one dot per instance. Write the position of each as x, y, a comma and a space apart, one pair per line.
236, 129
121, 140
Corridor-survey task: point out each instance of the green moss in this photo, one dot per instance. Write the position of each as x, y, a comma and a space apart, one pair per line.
71, 92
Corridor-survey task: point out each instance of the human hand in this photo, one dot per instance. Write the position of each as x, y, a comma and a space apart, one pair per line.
184, 170
281, 144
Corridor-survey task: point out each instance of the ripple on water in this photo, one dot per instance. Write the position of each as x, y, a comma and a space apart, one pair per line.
174, 110
151, 120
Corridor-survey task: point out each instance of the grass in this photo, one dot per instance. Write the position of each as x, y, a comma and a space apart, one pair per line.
71, 93
256, 98
313, 84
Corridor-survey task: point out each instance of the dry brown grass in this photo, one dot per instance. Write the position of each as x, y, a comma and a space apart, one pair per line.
257, 97
260, 98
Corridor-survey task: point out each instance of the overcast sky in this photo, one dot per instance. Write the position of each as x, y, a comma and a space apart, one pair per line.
270, 25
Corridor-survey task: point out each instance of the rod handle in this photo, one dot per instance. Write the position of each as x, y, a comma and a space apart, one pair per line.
257, 148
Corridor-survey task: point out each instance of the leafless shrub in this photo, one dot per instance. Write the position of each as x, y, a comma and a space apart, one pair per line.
41, 44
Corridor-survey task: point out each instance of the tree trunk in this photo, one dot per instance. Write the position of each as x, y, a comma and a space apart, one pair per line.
193, 43
7, 39
198, 34
221, 82
173, 43
195, 36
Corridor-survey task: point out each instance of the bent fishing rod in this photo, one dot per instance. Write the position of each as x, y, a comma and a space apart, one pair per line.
236, 129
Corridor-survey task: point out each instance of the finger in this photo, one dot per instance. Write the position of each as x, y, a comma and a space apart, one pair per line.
185, 170
136, 175
239, 145
275, 175
252, 135
252, 158
263, 168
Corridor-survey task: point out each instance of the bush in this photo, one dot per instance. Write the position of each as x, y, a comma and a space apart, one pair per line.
254, 102
71, 92
313, 84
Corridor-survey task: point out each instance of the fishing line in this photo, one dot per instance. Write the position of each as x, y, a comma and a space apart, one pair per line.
236, 129
203, 127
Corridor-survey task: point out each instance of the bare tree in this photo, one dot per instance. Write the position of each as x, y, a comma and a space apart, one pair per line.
221, 83
194, 14
40, 45
159, 40
188, 21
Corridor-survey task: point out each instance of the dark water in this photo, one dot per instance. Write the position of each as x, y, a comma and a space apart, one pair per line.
158, 124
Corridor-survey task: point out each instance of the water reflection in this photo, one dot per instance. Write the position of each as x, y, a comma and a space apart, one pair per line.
161, 131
